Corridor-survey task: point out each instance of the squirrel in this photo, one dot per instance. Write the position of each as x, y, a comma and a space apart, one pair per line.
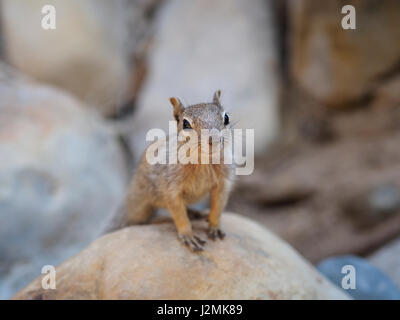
175, 186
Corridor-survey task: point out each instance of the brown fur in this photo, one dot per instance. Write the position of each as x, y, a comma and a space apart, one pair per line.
175, 186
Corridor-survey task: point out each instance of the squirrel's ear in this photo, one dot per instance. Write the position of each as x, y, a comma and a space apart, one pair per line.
178, 107
217, 96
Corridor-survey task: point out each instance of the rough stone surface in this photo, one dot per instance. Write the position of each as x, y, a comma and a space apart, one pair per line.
87, 54
388, 260
338, 66
52, 202
148, 262
202, 46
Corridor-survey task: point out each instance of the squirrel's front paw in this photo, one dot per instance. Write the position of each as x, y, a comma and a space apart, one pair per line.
215, 232
193, 242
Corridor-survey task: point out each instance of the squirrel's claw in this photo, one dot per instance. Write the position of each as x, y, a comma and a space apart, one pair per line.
193, 242
214, 233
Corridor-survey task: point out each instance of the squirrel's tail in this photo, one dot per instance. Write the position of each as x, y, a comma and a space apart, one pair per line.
127, 215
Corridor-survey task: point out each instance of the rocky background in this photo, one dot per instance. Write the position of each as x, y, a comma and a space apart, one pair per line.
76, 102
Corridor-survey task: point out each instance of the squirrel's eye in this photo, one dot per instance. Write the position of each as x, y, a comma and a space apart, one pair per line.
186, 124
226, 119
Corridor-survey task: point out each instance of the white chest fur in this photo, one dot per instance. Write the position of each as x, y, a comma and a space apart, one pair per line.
199, 182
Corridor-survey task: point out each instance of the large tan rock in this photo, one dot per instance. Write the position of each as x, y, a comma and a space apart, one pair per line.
148, 262
89, 52
338, 66
62, 173
204, 45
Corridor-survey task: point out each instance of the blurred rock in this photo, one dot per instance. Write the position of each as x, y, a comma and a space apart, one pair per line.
333, 173
388, 260
204, 45
89, 52
371, 283
278, 192
338, 66
371, 206
317, 130
61, 174
388, 94
148, 262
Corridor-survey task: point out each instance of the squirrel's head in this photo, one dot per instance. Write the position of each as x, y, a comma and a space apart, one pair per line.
201, 116
208, 121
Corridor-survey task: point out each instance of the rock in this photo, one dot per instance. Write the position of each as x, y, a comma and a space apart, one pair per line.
371, 283
148, 262
388, 94
89, 52
277, 193
337, 66
387, 259
371, 206
317, 130
201, 46
62, 173
351, 165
